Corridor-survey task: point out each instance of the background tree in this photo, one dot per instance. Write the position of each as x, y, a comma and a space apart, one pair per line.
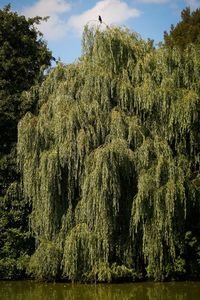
22, 54
186, 31
23, 57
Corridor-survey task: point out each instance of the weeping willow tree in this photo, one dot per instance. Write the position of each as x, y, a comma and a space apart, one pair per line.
110, 163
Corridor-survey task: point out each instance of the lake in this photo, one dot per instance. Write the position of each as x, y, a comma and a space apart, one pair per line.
30, 290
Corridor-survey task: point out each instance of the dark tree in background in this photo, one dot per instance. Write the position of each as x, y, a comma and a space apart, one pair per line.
22, 54
23, 58
186, 31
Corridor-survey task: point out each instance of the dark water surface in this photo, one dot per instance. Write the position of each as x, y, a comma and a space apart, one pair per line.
28, 290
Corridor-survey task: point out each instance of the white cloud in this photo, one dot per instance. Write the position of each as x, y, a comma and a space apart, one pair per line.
55, 27
111, 11
153, 1
193, 4
50, 7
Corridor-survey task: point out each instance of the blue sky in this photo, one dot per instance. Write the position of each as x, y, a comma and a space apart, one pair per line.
150, 18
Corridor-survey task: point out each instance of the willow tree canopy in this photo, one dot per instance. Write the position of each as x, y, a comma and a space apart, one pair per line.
110, 162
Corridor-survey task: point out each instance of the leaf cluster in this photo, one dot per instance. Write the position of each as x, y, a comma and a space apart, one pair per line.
185, 32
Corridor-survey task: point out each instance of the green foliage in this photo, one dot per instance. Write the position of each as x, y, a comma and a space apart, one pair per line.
186, 31
22, 54
111, 161
45, 262
16, 243
23, 57
123, 273
192, 251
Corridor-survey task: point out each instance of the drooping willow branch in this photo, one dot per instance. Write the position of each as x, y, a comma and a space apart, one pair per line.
108, 161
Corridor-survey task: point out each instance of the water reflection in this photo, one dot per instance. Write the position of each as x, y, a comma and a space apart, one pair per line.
27, 290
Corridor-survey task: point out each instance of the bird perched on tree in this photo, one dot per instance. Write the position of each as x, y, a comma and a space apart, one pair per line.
100, 19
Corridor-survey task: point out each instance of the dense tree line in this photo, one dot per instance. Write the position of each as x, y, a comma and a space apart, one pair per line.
23, 57
108, 185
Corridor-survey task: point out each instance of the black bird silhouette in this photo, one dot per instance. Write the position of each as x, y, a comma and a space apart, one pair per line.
100, 19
